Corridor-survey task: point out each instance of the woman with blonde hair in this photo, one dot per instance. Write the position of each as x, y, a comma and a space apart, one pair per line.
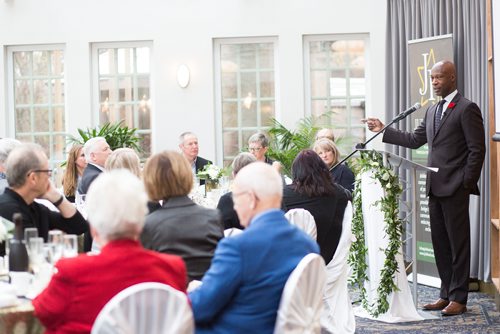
127, 158
329, 153
180, 226
75, 166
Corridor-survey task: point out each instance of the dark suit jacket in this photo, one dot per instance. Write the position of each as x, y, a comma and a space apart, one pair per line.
90, 173
183, 228
344, 176
199, 164
457, 148
229, 216
242, 289
82, 286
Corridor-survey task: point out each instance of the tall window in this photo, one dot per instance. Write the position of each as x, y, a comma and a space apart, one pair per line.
337, 85
245, 80
123, 75
37, 90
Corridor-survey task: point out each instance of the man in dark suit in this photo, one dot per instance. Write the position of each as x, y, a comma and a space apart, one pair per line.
454, 132
96, 152
188, 143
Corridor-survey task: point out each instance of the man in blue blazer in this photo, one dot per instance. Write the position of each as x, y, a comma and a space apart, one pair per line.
454, 132
241, 291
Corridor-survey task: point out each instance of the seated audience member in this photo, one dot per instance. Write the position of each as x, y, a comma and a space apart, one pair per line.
258, 144
127, 158
226, 205
96, 152
75, 166
188, 143
313, 189
329, 153
28, 174
6, 145
81, 286
325, 133
180, 226
241, 291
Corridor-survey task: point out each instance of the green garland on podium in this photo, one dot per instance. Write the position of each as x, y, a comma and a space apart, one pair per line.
389, 205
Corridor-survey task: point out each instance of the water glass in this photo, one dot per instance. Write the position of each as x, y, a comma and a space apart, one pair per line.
56, 243
35, 251
70, 245
30, 232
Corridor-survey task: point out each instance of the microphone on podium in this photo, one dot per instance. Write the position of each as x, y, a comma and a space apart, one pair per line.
407, 112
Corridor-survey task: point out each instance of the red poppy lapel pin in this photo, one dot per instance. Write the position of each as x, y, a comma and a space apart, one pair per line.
451, 105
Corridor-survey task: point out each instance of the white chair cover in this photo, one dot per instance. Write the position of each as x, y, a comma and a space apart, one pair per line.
304, 220
301, 301
401, 307
151, 308
338, 315
232, 231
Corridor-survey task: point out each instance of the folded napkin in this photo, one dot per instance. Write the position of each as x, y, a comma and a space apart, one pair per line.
8, 295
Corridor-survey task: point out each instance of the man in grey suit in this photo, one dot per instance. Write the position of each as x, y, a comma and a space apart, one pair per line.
454, 132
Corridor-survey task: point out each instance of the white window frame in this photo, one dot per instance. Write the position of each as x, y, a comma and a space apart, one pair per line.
217, 43
95, 77
11, 113
307, 63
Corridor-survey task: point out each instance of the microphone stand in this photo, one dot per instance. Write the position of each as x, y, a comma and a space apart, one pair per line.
362, 146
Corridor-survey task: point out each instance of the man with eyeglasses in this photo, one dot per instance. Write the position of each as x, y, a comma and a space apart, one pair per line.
28, 175
241, 291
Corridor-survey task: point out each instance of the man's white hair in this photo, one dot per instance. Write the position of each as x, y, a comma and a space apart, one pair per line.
7, 145
262, 179
117, 205
91, 146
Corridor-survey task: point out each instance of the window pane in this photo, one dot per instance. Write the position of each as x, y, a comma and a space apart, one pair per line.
41, 63
337, 77
125, 61
230, 114
124, 89
41, 91
247, 93
23, 120
145, 145
41, 119
58, 119
44, 142
57, 61
57, 90
22, 64
22, 92
231, 144
266, 84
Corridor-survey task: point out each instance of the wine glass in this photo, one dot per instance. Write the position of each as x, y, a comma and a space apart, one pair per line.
30, 232
70, 245
56, 244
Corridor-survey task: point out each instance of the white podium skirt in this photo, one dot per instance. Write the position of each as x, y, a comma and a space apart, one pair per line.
401, 307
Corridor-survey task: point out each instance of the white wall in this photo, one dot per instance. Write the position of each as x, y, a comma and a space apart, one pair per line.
182, 31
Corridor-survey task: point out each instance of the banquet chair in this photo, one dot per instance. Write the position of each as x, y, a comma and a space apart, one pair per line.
150, 307
304, 220
301, 301
338, 315
228, 232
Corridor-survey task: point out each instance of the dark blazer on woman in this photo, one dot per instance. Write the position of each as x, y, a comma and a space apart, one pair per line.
229, 216
344, 176
184, 228
328, 213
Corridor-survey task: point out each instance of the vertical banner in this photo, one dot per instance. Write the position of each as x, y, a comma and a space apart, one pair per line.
423, 54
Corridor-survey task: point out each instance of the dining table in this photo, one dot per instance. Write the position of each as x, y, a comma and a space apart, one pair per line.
20, 319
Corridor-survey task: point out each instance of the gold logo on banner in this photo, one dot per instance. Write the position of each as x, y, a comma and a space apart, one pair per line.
424, 73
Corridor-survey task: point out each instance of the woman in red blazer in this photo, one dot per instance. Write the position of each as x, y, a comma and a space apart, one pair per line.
80, 288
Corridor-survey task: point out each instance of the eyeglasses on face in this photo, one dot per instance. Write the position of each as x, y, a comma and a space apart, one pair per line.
255, 149
48, 171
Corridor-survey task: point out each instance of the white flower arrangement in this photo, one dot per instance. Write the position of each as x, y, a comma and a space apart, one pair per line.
210, 172
5, 228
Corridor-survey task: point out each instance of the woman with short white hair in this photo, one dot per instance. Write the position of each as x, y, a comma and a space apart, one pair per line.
81, 286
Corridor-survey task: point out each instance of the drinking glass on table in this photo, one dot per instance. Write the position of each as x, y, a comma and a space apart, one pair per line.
70, 245
36, 254
56, 244
30, 232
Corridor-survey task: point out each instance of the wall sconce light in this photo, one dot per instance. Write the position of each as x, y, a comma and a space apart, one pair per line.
183, 76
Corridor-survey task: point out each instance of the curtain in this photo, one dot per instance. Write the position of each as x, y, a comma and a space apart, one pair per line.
466, 20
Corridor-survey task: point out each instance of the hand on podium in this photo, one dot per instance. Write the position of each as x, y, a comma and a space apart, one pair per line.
374, 124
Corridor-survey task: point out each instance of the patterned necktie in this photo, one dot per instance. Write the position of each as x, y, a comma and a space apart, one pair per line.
437, 116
